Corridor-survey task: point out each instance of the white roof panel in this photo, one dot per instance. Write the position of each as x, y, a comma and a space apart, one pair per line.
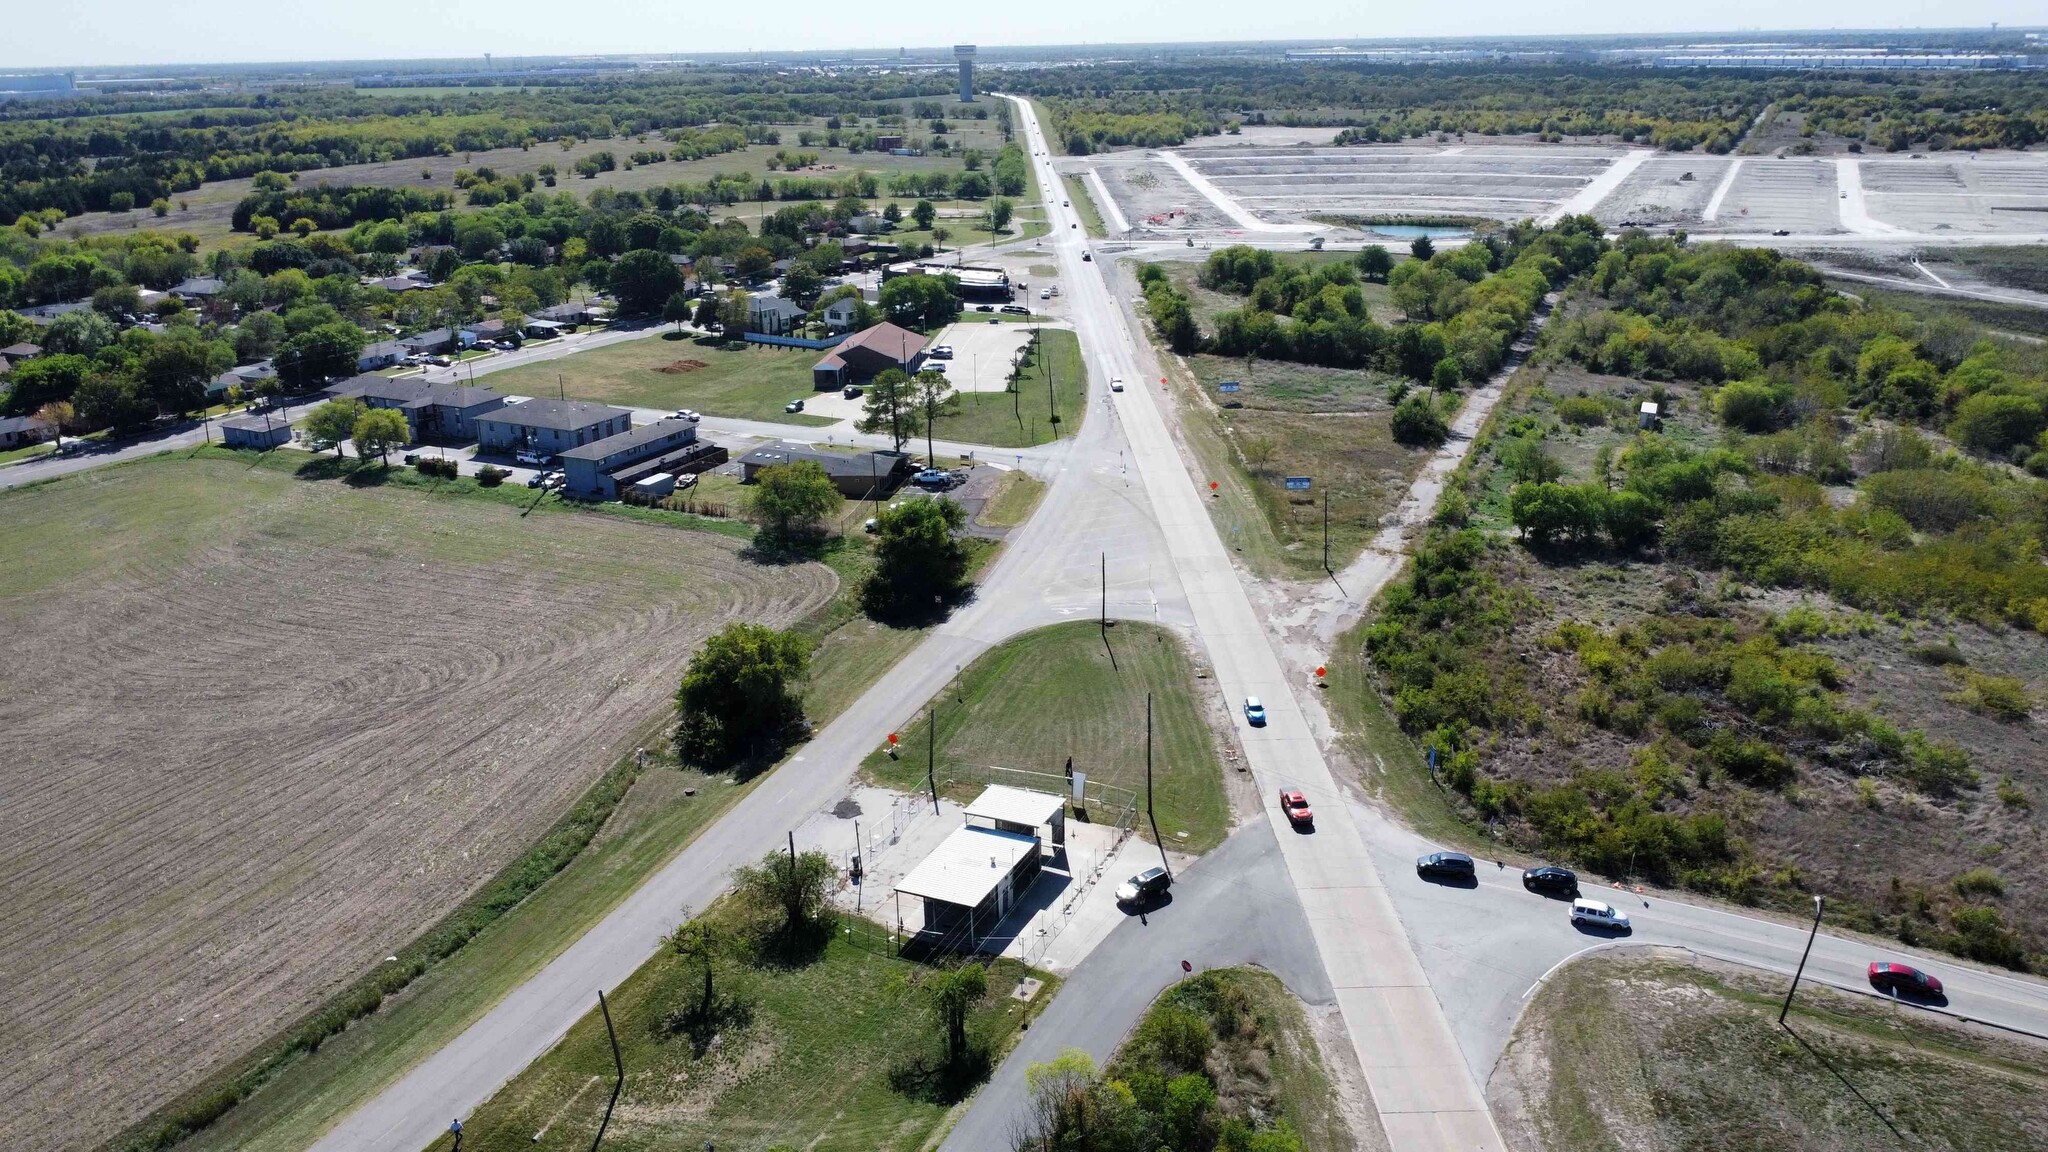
967, 865
1015, 805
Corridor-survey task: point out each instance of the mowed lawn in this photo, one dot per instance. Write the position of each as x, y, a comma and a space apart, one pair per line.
809, 1067
1056, 381
263, 731
1036, 699
749, 384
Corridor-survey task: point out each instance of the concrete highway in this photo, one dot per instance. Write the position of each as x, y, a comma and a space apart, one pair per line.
1424, 1093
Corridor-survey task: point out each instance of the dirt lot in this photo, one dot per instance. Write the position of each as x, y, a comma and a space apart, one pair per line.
1649, 1051
264, 730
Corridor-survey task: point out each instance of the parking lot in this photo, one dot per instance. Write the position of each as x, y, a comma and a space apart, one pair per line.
982, 353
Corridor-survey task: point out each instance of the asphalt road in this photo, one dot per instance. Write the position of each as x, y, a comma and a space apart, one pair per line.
1234, 906
1426, 1098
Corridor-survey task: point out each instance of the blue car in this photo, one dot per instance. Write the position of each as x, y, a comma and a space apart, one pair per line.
1254, 712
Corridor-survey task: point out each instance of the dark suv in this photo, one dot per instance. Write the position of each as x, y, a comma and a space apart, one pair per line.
1552, 881
1450, 865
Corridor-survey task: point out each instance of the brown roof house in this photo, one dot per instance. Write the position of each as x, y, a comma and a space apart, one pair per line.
868, 353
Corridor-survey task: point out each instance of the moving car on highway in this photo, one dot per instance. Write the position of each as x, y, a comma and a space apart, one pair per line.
1296, 806
1899, 980
1595, 914
1116, 384
1552, 881
1254, 712
1450, 865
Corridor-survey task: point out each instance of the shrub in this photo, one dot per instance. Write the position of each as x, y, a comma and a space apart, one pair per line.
1750, 761
1981, 934
1979, 882
1417, 422
1582, 411
490, 476
1999, 697
438, 466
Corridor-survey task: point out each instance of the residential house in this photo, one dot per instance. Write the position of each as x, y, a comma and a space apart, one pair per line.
248, 377
549, 426
19, 431
492, 329
869, 225
199, 289
261, 432
868, 353
436, 413
858, 476
439, 341
841, 313
537, 329
44, 313
382, 354
569, 315
601, 469
774, 316
22, 351
404, 283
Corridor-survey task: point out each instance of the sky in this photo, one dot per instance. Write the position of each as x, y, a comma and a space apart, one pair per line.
84, 33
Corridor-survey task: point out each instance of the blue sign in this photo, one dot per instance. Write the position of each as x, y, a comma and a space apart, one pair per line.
1229, 386
1297, 483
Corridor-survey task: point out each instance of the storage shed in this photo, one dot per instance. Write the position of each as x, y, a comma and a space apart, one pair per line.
971, 881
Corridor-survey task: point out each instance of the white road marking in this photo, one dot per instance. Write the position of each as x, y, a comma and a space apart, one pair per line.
1713, 210
1244, 217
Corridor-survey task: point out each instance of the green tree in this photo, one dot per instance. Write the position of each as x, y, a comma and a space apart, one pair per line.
740, 689
701, 942
1374, 262
919, 301
257, 336
801, 284
798, 887
732, 314
794, 498
678, 309
335, 421
174, 368
954, 995
754, 263
888, 406
112, 401
1422, 247
1994, 424
919, 562
380, 430
83, 332
313, 356
934, 395
45, 380
643, 280
922, 214
1000, 212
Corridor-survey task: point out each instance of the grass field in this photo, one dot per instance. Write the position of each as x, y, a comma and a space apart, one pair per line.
808, 1068
359, 704
1020, 419
1641, 1054
750, 384
1038, 698
1017, 495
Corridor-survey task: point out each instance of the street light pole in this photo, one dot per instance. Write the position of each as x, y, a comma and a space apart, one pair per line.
1811, 933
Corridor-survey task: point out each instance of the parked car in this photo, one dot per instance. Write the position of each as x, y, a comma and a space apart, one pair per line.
984, 307
1045, 293
1899, 980
530, 458
411, 458
1146, 886
536, 480
1552, 881
793, 406
1295, 805
943, 352
687, 414
871, 525
552, 480
1454, 865
1116, 384
933, 478
850, 392
995, 320
1596, 914
1087, 257
1254, 712
1015, 309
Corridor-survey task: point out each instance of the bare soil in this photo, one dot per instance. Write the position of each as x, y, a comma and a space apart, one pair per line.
264, 731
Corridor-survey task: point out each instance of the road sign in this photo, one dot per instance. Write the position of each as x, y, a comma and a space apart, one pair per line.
1229, 386
1297, 483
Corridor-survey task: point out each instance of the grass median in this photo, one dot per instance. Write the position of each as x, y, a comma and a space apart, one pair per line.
1078, 690
1055, 383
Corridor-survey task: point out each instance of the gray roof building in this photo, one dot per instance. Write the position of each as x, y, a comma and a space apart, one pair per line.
551, 426
199, 288
434, 411
856, 475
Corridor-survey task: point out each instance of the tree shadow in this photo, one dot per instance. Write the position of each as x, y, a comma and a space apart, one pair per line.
780, 551
790, 945
937, 1080
702, 1024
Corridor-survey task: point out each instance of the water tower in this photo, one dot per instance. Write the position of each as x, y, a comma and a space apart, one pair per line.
965, 54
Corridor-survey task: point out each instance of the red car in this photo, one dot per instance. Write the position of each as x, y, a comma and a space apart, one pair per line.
1296, 806
1903, 981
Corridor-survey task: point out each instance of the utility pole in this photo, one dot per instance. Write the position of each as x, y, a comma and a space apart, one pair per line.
1105, 590
1811, 933
792, 850
1052, 410
1326, 530
931, 755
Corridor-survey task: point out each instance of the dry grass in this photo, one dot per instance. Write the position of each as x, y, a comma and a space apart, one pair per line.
265, 730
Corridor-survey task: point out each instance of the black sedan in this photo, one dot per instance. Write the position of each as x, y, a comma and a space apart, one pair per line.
1552, 881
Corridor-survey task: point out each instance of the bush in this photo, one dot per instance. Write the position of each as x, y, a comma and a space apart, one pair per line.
1981, 934
1418, 423
438, 466
490, 476
1979, 882
1750, 761
1999, 697
1582, 411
